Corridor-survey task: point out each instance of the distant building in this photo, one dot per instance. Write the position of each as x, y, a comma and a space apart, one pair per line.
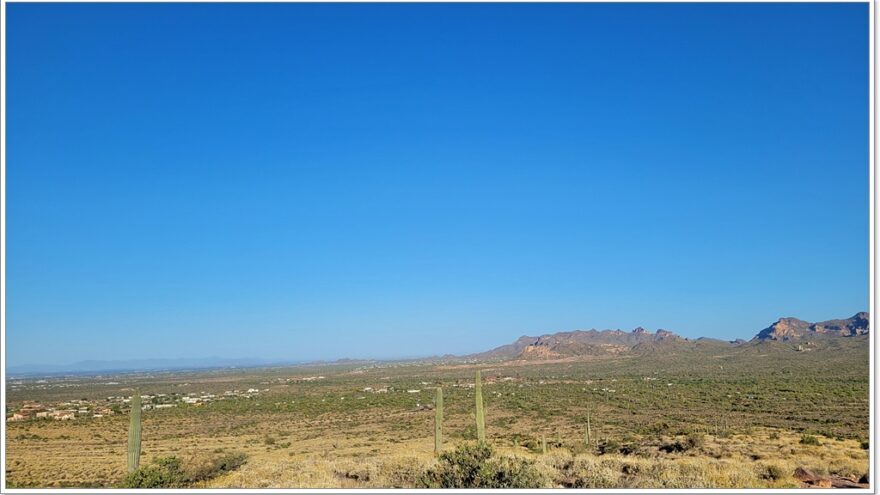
63, 415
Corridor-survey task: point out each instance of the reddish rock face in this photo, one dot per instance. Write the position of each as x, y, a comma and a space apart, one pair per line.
538, 352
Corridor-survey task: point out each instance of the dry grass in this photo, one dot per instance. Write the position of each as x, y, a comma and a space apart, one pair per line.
331, 434
51, 453
754, 461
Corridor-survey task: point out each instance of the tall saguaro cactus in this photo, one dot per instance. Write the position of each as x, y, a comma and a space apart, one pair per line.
134, 433
481, 416
438, 421
589, 431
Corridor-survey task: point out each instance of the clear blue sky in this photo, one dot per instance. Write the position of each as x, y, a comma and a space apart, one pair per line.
323, 181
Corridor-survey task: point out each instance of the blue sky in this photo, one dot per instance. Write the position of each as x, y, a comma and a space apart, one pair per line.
293, 181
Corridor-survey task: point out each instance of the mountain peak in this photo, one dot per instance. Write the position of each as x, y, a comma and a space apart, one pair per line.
789, 328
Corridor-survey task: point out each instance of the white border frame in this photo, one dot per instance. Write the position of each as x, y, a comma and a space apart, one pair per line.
872, 12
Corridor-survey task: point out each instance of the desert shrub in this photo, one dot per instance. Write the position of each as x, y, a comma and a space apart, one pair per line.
401, 472
582, 448
469, 432
694, 440
583, 472
358, 471
608, 447
629, 448
465, 467
773, 472
170, 472
215, 467
774, 435
865, 444
531, 444
163, 472
809, 440
672, 447
473, 466
517, 472
690, 442
526, 442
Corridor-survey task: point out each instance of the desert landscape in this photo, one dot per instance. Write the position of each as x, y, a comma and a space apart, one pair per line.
437, 245
583, 409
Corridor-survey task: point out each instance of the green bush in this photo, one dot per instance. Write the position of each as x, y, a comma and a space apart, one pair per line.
609, 447
469, 432
215, 467
516, 472
163, 472
170, 472
473, 466
691, 441
809, 440
773, 472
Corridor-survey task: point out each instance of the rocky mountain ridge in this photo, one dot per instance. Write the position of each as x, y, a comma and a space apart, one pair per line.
639, 340
793, 328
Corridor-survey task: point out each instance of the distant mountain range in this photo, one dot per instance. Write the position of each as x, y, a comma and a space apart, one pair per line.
605, 342
559, 345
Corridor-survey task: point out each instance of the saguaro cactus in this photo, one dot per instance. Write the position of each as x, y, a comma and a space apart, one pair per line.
543, 444
481, 416
589, 431
438, 421
134, 433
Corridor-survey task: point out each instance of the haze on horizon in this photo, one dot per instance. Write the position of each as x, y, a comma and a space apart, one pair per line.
302, 182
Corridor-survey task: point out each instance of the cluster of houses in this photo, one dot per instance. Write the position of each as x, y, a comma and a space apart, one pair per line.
293, 379
61, 412
383, 390
298, 379
81, 408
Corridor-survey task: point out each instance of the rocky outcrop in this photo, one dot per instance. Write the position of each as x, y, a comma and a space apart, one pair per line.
809, 479
786, 329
